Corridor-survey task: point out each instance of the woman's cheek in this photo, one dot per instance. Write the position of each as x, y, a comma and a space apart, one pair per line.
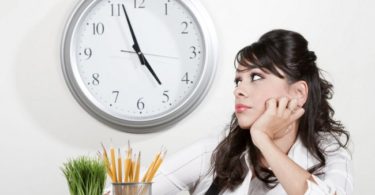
247, 119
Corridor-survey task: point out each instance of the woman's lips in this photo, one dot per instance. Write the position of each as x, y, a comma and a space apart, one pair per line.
241, 107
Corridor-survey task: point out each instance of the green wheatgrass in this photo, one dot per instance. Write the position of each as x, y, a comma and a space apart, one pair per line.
85, 175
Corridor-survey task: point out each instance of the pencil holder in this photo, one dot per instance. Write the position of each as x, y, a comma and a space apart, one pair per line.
141, 188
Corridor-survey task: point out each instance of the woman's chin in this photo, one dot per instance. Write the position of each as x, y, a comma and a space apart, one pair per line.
244, 125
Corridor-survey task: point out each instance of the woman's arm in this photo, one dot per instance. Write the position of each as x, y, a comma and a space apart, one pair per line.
295, 180
291, 176
281, 116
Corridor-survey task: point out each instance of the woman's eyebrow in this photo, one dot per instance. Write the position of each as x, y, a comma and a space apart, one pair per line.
239, 71
260, 70
257, 70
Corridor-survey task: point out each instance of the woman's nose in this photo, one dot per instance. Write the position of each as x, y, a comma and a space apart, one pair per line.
239, 91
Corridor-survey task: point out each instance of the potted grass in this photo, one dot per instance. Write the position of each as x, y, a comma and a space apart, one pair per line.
85, 175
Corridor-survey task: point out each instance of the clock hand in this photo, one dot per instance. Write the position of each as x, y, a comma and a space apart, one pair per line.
149, 54
150, 69
137, 49
135, 46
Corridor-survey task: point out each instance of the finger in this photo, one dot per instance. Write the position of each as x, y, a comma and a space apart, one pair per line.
271, 105
297, 113
283, 102
292, 105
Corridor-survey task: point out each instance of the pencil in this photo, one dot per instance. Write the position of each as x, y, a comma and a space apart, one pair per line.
144, 179
113, 164
137, 168
156, 167
106, 162
119, 164
128, 165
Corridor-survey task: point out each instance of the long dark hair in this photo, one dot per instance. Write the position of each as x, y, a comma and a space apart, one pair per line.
287, 51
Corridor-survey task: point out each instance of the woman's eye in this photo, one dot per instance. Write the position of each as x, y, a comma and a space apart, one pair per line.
237, 82
255, 77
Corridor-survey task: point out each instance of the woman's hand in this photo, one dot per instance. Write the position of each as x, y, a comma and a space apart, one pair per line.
276, 119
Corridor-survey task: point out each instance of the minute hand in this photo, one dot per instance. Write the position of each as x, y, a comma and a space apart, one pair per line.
137, 49
135, 46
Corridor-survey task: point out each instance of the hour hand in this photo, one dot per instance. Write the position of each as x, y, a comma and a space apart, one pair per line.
145, 62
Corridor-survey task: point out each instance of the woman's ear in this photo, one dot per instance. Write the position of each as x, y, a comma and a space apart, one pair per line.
300, 90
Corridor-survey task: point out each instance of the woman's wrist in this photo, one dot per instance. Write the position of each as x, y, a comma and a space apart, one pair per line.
259, 137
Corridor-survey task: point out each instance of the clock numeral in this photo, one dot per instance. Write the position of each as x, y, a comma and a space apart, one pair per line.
166, 7
87, 52
95, 78
116, 95
165, 94
140, 104
194, 52
140, 5
116, 9
98, 28
185, 78
185, 27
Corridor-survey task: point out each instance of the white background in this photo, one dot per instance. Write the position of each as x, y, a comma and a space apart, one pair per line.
42, 125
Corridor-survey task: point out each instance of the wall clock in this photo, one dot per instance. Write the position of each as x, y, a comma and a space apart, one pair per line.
139, 65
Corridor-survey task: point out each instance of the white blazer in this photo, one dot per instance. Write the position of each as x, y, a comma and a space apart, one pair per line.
189, 170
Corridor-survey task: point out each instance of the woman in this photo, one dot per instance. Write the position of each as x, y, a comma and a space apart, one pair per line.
282, 137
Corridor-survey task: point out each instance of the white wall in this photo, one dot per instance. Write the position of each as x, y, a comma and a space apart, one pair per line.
41, 124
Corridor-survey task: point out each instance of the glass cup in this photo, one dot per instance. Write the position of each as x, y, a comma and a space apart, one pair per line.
140, 188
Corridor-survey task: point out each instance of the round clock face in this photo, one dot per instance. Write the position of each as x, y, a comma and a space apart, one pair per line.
138, 63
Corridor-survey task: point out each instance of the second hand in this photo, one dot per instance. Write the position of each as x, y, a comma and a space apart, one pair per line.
171, 57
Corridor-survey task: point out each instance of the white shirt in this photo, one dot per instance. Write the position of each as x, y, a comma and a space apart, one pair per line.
189, 170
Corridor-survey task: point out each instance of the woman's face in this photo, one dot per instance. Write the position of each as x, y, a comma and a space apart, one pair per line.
253, 88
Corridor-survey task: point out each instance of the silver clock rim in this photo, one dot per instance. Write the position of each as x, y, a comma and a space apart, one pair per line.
210, 43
